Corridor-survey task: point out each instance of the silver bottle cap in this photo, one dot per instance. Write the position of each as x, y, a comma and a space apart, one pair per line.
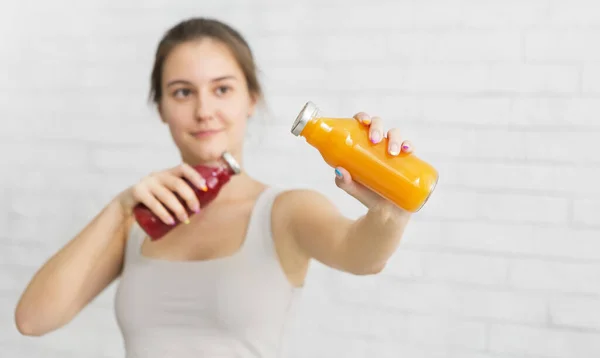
231, 162
308, 112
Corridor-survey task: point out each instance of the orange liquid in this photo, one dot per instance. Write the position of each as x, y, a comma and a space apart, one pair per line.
404, 179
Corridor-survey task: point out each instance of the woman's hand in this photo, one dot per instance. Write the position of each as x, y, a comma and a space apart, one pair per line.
377, 135
158, 191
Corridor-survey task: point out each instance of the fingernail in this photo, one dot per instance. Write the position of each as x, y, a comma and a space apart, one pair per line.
375, 137
186, 221
365, 118
405, 147
394, 149
171, 221
204, 187
196, 209
338, 173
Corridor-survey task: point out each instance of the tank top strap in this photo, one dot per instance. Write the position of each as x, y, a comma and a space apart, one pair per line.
134, 242
259, 237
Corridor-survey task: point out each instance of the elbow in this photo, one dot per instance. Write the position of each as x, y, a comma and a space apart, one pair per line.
27, 324
26, 331
26, 327
367, 270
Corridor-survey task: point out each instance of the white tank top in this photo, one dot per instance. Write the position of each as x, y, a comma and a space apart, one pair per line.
236, 306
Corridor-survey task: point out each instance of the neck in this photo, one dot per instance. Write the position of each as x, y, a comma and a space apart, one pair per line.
239, 186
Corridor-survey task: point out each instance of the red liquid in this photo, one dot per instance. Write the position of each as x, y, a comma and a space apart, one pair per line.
215, 178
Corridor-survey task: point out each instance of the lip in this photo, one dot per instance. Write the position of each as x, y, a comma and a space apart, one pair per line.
206, 133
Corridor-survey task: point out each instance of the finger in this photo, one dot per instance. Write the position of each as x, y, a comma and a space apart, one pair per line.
185, 191
407, 146
363, 118
193, 176
376, 130
394, 141
168, 198
344, 181
342, 177
145, 197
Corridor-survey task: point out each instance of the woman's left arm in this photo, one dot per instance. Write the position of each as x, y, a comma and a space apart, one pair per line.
361, 246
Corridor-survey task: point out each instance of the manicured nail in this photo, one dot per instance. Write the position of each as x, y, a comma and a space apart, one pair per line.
394, 149
186, 221
365, 118
196, 209
204, 187
171, 221
375, 137
405, 147
338, 173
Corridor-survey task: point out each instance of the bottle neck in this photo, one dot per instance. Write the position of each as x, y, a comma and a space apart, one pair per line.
221, 168
224, 169
316, 131
230, 164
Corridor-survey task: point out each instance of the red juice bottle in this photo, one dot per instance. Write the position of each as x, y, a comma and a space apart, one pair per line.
215, 176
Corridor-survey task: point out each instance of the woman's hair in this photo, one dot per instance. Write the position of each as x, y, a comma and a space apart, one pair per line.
198, 29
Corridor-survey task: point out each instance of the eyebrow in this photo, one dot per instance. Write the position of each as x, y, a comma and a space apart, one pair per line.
174, 82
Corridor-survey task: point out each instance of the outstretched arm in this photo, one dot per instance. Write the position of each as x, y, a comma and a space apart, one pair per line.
360, 247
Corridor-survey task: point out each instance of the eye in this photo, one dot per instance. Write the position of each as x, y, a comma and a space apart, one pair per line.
182, 92
221, 90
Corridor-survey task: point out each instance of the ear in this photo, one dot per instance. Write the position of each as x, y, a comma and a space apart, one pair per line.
160, 113
252, 108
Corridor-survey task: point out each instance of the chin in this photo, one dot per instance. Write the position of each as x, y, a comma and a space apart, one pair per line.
206, 149
205, 152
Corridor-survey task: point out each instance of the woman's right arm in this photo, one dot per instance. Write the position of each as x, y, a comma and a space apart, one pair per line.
71, 278
92, 260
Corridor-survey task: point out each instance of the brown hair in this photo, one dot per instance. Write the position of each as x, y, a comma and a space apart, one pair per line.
197, 29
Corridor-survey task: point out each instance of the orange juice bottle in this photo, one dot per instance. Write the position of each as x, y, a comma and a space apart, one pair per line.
403, 179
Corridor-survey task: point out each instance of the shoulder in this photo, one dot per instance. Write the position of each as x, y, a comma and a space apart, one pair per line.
312, 226
286, 213
300, 195
299, 201
297, 210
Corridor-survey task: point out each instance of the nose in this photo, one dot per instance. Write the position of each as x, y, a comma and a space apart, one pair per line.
205, 108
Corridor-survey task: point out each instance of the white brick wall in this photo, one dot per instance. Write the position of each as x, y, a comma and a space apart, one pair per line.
502, 96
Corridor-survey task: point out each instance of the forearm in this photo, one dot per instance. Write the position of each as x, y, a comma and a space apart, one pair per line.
63, 282
372, 239
77, 258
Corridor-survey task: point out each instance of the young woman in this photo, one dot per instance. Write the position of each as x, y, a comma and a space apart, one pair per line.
222, 283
